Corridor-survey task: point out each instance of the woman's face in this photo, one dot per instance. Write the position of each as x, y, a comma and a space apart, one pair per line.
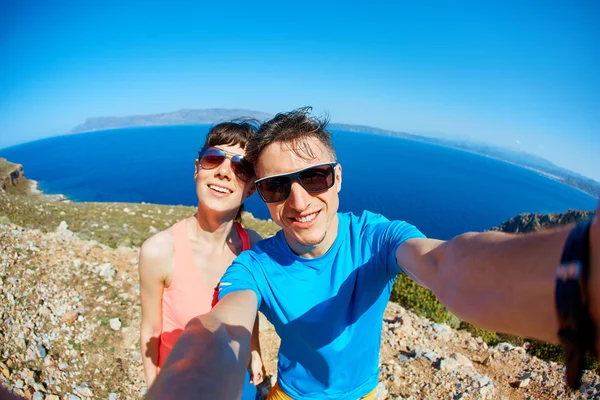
219, 188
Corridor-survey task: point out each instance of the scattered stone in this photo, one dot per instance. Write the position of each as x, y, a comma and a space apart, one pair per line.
430, 355
107, 270
70, 317
84, 390
115, 324
41, 351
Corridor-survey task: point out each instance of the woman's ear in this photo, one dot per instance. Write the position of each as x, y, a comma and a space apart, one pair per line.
251, 190
196, 169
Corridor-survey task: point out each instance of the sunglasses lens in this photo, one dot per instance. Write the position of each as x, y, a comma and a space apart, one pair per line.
242, 168
212, 158
274, 189
317, 179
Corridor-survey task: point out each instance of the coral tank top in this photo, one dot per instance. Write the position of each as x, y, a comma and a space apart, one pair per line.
187, 296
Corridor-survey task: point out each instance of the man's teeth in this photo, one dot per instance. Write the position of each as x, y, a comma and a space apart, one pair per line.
219, 189
307, 218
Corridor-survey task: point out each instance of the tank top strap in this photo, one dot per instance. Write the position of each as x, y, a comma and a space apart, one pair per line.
243, 234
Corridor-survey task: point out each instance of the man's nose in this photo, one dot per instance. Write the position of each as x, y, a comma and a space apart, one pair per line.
299, 198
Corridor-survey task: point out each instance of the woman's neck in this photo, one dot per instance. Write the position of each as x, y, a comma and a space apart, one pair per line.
213, 227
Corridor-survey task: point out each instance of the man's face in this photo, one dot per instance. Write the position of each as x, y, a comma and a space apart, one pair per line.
309, 220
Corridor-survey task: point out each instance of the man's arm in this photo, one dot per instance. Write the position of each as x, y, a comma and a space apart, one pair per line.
211, 355
498, 281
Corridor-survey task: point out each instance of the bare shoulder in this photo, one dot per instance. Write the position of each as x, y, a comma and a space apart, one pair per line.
156, 253
254, 237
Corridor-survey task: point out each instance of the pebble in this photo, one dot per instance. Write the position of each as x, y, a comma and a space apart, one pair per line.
115, 324
41, 351
107, 270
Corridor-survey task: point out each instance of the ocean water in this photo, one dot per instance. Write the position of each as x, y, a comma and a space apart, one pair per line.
443, 191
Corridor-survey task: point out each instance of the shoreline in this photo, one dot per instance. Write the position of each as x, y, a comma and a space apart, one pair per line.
34, 188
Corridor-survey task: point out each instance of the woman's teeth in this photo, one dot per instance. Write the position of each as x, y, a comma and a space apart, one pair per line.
219, 189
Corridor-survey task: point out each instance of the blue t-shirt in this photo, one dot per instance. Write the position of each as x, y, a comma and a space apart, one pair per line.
328, 311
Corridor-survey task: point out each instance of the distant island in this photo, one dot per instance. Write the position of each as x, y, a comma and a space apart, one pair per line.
215, 115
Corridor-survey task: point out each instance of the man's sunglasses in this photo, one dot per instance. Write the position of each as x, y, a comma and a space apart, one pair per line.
314, 179
212, 157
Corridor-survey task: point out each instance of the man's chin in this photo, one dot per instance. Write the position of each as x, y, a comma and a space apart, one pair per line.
310, 241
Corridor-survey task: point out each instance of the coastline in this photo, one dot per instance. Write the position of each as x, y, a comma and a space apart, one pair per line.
34, 188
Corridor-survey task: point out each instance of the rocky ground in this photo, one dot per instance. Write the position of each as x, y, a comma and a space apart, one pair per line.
69, 330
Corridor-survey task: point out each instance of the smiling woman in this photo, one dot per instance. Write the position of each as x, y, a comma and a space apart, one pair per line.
181, 266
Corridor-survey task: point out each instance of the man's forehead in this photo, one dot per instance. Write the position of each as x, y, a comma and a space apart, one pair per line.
283, 157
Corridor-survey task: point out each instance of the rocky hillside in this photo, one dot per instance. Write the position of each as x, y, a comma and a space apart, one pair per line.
532, 222
69, 315
10, 174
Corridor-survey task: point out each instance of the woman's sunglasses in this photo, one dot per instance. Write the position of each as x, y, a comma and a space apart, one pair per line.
314, 179
212, 157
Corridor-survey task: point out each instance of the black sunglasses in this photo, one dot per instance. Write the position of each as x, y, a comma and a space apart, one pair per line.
313, 179
212, 157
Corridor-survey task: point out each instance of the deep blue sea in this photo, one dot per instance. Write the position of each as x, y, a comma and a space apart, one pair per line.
442, 191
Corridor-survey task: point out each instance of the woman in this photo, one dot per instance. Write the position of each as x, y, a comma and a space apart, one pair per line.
181, 266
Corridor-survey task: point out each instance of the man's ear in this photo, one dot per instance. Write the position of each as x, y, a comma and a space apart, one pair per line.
338, 177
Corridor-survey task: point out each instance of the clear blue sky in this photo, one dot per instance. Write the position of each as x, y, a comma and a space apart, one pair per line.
516, 74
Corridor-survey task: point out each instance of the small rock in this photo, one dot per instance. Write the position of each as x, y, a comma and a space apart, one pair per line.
84, 390
402, 358
462, 360
430, 355
115, 324
63, 227
523, 383
106, 269
504, 347
70, 317
38, 396
41, 351
112, 396
19, 384
4, 370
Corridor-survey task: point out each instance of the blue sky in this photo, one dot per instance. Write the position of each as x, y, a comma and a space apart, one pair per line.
516, 74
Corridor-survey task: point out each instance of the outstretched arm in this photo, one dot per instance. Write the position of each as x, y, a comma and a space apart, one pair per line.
211, 355
498, 281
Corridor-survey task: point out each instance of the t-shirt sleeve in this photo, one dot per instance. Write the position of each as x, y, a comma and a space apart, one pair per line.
387, 236
238, 277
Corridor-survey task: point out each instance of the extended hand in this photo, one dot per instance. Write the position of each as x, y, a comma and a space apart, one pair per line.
257, 369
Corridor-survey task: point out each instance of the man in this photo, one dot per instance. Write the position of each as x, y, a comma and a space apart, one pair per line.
325, 278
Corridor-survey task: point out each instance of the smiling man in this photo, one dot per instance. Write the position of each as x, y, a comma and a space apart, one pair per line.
324, 280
